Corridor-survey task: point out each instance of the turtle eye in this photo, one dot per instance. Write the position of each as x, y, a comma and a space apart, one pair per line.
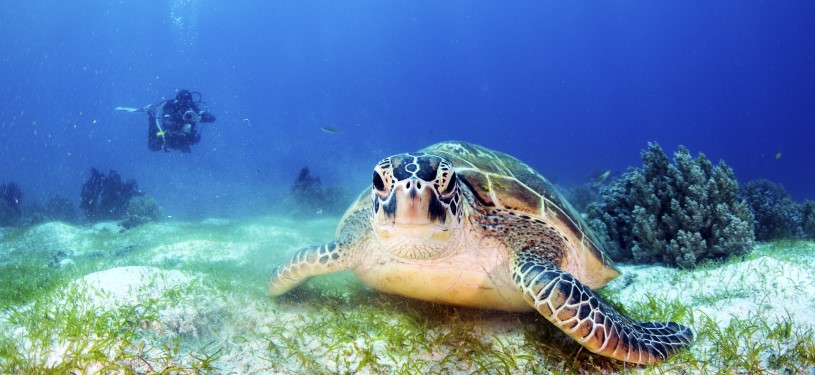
378, 183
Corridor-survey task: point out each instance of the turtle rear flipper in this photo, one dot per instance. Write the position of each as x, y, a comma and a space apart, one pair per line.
582, 314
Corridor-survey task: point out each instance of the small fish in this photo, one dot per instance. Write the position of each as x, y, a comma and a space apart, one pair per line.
331, 130
778, 156
601, 178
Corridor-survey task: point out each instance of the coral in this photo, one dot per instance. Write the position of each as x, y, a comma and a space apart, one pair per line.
580, 196
306, 186
776, 215
678, 214
105, 197
141, 210
309, 197
10, 209
808, 219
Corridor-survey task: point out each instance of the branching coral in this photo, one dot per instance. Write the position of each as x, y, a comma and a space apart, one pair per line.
679, 214
808, 218
777, 215
105, 197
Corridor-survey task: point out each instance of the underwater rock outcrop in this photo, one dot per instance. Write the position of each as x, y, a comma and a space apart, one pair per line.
10, 208
679, 214
105, 197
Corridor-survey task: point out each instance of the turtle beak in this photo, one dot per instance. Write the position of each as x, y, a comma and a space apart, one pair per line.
414, 199
413, 202
412, 210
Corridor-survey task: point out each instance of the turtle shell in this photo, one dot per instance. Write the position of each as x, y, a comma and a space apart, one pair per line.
501, 181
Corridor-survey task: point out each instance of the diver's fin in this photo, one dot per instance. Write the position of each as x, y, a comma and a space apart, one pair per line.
131, 110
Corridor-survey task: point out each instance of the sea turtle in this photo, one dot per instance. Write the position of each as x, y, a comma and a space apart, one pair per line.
461, 224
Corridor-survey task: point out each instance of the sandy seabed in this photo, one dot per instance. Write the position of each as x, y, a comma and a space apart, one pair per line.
189, 297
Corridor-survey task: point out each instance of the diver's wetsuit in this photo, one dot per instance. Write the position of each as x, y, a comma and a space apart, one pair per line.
172, 123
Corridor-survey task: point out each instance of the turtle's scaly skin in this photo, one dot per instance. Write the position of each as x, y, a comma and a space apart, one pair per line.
465, 225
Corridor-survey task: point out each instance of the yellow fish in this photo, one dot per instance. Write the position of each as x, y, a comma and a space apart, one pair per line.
778, 156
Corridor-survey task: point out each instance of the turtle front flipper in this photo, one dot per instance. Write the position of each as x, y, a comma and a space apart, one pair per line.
331, 257
582, 314
306, 262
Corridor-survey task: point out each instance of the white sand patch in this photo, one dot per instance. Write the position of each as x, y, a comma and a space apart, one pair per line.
203, 251
287, 231
215, 222
83, 302
126, 285
282, 234
50, 238
107, 226
278, 239
774, 288
769, 291
193, 309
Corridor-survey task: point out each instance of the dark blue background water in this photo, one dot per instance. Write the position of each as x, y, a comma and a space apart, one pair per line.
569, 87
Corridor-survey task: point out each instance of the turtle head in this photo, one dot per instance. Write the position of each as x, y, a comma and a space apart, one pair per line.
416, 202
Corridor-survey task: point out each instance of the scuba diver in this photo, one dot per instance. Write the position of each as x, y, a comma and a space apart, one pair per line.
172, 123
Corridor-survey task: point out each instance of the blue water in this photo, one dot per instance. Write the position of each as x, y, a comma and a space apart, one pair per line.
569, 87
